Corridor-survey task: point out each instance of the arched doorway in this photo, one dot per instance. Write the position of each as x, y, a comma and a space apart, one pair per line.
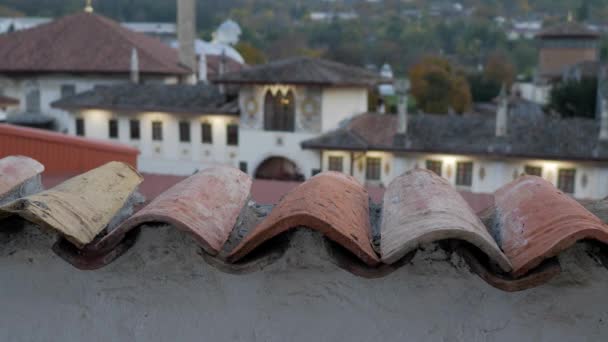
279, 168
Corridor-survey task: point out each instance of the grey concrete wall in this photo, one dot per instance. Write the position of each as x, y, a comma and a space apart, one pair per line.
163, 290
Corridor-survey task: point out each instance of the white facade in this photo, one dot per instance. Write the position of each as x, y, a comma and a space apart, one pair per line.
36, 93
590, 179
167, 155
317, 110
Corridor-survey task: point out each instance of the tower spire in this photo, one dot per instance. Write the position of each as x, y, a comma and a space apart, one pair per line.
89, 7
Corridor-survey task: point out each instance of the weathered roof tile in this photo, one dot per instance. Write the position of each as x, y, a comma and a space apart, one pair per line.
14, 171
332, 203
421, 207
81, 207
206, 205
535, 221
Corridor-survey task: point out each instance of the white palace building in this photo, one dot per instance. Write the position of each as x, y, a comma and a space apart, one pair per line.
290, 119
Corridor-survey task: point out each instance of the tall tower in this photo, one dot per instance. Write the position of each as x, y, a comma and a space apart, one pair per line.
565, 45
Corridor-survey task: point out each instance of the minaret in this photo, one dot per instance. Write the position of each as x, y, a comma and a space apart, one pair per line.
401, 89
502, 113
134, 66
89, 7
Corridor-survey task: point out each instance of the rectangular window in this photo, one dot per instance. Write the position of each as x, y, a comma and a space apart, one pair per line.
435, 166
134, 129
232, 134
464, 173
80, 127
336, 163
113, 128
157, 130
372, 169
533, 170
206, 133
243, 166
566, 179
184, 131
67, 90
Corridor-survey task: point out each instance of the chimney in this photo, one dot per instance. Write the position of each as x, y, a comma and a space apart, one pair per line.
222, 69
401, 89
604, 121
186, 34
202, 68
502, 113
134, 66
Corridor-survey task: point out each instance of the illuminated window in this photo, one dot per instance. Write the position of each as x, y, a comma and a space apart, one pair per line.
184, 131
279, 112
134, 129
434, 165
373, 168
533, 170
80, 127
566, 179
464, 173
336, 163
232, 134
113, 128
157, 130
206, 133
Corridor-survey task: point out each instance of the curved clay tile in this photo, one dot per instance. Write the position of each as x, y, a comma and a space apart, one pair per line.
81, 207
421, 207
205, 205
16, 170
331, 203
535, 221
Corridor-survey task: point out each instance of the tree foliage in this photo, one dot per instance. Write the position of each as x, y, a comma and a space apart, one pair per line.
574, 98
437, 86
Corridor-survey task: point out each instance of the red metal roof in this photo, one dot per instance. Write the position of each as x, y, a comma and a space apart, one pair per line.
60, 153
84, 43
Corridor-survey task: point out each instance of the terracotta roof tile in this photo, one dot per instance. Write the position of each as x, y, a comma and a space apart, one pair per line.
81, 207
332, 203
535, 221
421, 207
16, 170
85, 42
530, 223
205, 205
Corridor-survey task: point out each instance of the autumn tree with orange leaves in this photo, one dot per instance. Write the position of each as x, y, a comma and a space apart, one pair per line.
438, 87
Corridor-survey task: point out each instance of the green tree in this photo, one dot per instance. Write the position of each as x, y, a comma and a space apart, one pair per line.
574, 98
437, 86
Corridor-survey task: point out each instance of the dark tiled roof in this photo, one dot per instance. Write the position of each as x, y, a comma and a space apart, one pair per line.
84, 43
568, 30
512, 246
177, 98
304, 70
530, 136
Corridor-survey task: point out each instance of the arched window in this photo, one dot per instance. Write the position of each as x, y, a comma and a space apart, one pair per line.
279, 111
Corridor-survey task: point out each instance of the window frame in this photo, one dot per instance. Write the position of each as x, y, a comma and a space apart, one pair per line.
157, 130
206, 138
134, 127
371, 173
335, 163
466, 179
569, 176
232, 134
433, 165
113, 128
532, 170
184, 128
80, 129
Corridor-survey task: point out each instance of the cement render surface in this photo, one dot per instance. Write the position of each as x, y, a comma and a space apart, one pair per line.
163, 290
